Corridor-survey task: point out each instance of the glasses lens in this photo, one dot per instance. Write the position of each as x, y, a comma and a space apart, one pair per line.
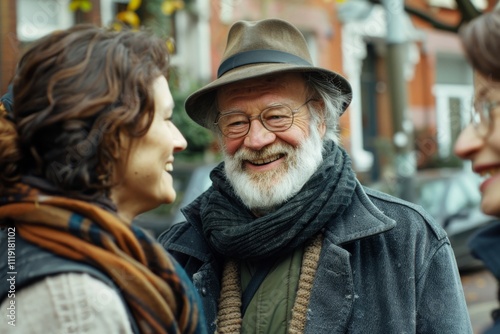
277, 118
481, 117
234, 125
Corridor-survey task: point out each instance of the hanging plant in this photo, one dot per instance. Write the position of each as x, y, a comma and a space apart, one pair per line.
129, 16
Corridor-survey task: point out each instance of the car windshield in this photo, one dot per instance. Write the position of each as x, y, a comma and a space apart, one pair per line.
430, 192
459, 197
448, 195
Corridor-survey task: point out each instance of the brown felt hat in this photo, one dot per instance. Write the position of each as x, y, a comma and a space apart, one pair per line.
258, 48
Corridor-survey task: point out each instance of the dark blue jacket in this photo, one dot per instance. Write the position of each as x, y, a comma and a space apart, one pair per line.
385, 267
485, 245
8, 99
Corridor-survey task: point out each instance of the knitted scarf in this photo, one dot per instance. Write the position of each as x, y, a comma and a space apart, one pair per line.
233, 231
146, 275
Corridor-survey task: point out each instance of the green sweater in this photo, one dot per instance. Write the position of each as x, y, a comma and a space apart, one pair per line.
270, 309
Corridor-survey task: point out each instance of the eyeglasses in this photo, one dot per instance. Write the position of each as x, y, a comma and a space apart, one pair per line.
482, 114
277, 117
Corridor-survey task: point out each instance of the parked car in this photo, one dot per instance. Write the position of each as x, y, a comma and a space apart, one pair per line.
198, 182
452, 197
189, 182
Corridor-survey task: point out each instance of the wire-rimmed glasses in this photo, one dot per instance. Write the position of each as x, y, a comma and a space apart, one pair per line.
277, 117
482, 114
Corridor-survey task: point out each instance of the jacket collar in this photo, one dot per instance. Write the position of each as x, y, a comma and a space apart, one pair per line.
360, 220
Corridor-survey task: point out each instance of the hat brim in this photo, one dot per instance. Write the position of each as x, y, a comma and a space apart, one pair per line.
196, 103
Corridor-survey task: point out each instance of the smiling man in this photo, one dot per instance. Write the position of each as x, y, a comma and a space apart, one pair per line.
287, 240
268, 148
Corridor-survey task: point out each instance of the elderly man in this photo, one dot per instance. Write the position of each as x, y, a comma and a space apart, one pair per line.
286, 240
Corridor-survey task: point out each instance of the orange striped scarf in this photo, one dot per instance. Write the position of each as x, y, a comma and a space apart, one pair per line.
144, 272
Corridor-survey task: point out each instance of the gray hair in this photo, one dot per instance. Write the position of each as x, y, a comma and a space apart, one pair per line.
325, 90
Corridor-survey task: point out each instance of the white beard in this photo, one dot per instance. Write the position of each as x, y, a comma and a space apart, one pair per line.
263, 192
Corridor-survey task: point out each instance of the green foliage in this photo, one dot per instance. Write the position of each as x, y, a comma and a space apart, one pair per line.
152, 17
198, 138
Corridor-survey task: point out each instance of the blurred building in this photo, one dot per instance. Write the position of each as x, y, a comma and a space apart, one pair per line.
349, 37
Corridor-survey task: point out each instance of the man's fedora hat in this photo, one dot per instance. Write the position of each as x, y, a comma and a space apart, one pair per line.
255, 49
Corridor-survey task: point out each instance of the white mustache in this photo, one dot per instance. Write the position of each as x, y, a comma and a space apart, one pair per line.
267, 154
264, 191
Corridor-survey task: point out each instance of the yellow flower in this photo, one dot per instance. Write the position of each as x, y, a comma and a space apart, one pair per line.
168, 7
129, 17
133, 5
83, 5
170, 46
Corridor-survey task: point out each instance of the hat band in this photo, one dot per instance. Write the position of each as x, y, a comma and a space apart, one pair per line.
259, 56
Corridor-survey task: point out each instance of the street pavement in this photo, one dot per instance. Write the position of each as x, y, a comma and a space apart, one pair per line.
480, 290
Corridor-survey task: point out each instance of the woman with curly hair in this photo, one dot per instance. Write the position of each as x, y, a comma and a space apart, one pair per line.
88, 145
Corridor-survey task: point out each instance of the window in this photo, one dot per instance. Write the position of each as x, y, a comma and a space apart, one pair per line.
453, 91
36, 18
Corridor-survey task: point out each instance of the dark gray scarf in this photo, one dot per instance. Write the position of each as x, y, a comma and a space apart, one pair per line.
233, 231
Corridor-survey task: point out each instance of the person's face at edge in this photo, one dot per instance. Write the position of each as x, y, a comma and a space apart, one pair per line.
265, 167
143, 170
484, 153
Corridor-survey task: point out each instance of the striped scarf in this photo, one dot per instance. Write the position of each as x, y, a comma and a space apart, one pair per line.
147, 276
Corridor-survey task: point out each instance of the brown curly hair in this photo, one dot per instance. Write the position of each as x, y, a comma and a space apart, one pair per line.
74, 92
481, 41
9, 151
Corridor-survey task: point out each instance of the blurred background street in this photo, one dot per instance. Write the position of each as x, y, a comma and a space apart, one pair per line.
412, 93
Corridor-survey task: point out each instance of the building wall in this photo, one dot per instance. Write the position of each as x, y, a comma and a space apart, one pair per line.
93, 16
438, 123
319, 20
9, 46
435, 123
315, 18
43, 17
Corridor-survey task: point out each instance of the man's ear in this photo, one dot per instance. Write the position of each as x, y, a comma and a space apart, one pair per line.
320, 105
322, 128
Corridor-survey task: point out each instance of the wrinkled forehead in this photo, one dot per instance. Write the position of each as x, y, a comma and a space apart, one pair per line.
291, 83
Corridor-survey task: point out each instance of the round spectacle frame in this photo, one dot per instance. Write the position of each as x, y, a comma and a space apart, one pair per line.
481, 117
277, 117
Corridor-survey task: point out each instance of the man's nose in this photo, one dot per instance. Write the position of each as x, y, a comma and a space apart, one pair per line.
258, 136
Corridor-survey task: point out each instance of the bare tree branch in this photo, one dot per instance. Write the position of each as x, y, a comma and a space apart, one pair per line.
433, 21
465, 7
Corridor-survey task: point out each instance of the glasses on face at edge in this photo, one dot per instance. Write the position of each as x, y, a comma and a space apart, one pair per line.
482, 114
277, 117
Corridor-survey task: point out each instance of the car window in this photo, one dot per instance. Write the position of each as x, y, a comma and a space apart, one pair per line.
471, 183
429, 195
463, 194
457, 198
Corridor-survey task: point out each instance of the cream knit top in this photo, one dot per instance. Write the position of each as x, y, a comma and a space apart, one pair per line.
66, 303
